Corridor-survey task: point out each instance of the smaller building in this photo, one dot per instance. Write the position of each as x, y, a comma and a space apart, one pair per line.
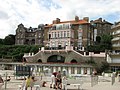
29, 36
98, 28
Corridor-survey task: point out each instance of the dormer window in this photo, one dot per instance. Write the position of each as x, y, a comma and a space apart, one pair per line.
80, 26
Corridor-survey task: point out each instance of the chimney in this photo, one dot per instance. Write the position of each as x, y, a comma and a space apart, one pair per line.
57, 20
46, 24
76, 18
86, 19
100, 19
104, 21
54, 21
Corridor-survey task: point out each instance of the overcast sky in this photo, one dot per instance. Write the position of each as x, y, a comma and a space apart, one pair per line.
34, 12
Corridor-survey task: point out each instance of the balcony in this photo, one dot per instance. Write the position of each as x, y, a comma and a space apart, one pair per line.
54, 48
116, 45
116, 39
114, 26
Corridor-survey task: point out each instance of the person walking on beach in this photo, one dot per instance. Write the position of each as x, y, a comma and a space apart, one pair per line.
28, 82
23, 84
32, 82
52, 84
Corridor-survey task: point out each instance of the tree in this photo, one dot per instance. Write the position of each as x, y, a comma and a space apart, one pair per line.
1, 41
9, 40
106, 41
98, 39
102, 43
102, 67
34, 49
16, 52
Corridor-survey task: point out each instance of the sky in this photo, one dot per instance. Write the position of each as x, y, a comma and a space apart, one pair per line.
35, 12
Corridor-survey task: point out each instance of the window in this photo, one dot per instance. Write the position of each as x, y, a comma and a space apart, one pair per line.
72, 34
61, 34
58, 34
52, 35
68, 35
80, 27
78, 70
61, 26
72, 70
49, 36
55, 34
64, 33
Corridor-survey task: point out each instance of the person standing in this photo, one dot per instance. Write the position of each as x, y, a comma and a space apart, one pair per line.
23, 84
1, 82
59, 80
28, 82
32, 82
9, 78
52, 84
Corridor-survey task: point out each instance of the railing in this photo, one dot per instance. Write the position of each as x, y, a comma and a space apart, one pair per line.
116, 45
54, 48
81, 52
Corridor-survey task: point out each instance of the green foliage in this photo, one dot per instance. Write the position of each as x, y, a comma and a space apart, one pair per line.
102, 43
17, 51
9, 40
104, 66
1, 41
92, 62
98, 39
27, 49
106, 39
34, 49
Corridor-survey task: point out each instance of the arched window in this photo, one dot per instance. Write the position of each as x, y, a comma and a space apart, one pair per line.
40, 61
56, 59
73, 61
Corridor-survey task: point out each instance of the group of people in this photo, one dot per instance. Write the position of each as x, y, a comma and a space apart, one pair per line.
56, 80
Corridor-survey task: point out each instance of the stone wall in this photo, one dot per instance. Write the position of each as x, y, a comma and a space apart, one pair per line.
5, 60
68, 54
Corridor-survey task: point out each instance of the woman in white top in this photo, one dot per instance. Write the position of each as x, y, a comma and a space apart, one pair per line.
24, 84
52, 83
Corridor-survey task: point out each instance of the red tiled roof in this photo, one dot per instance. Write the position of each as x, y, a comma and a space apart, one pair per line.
75, 22
71, 22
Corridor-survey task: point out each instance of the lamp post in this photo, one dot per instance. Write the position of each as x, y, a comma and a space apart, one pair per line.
5, 80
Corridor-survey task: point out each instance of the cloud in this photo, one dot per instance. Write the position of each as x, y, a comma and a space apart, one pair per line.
3, 15
34, 12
